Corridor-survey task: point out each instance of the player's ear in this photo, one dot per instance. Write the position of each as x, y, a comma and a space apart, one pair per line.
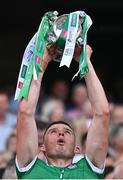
77, 150
42, 148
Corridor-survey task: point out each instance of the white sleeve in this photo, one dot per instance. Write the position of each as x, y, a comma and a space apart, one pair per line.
27, 168
93, 167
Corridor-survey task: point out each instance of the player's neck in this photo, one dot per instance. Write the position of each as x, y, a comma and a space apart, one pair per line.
59, 162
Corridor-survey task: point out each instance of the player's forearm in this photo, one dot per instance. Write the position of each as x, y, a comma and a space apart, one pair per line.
27, 137
96, 93
98, 131
28, 106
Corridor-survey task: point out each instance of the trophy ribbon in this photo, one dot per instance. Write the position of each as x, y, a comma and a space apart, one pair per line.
24, 66
67, 39
73, 26
83, 65
31, 66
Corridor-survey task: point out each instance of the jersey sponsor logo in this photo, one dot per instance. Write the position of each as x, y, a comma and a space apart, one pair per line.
74, 20
23, 72
72, 166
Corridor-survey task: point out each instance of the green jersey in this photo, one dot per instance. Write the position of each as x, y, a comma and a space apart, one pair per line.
79, 170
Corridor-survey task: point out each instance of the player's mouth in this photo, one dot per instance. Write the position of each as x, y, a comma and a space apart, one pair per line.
61, 142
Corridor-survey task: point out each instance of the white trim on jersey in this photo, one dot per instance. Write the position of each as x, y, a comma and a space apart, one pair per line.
28, 167
94, 168
76, 158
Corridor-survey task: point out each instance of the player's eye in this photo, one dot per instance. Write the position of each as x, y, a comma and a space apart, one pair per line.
53, 131
67, 132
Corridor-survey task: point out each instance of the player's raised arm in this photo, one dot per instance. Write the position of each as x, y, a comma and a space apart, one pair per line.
97, 138
27, 138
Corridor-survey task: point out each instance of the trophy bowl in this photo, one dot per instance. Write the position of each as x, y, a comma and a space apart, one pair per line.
59, 25
60, 34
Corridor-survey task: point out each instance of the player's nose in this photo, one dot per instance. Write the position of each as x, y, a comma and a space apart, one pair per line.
61, 133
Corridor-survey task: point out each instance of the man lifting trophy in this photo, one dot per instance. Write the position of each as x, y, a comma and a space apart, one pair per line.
66, 33
59, 38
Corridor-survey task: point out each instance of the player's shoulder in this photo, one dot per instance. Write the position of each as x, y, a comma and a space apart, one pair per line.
84, 162
77, 158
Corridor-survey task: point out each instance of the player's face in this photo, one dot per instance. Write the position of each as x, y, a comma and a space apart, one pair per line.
59, 141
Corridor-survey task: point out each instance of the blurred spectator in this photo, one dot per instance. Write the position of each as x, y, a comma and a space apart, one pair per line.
116, 139
117, 114
111, 108
13, 105
1, 172
5, 116
59, 90
41, 127
109, 167
53, 110
10, 171
118, 170
11, 143
79, 94
5, 132
7, 120
5, 157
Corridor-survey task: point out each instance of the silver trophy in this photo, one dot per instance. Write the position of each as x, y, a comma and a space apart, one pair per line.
58, 33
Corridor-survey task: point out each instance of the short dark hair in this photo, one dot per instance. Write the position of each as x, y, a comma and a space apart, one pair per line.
58, 122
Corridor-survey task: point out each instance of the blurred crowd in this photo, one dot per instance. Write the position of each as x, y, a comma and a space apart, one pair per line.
63, 102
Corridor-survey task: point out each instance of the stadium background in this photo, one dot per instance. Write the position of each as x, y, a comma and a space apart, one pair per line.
20, 20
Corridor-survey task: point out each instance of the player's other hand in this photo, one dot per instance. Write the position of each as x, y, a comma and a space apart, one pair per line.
78, 51
49, 54
89, 51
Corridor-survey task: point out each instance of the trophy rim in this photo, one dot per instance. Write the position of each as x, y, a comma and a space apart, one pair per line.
57, 34
54, 25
